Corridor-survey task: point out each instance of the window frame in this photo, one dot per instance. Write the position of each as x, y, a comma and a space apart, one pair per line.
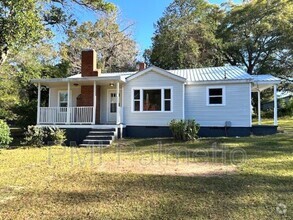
223, 95
141, 89
59, 106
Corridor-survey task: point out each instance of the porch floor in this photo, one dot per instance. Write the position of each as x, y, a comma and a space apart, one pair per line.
92, 126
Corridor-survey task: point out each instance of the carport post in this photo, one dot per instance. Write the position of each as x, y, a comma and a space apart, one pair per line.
259, 108
275, 106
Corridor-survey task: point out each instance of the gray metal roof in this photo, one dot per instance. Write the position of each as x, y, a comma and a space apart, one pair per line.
264, 78
212, 74
204, 74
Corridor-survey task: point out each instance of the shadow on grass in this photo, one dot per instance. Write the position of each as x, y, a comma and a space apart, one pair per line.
212, 149
171, 197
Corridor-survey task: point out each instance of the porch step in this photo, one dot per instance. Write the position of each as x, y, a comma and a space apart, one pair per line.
104, 129
99, 138
102, 133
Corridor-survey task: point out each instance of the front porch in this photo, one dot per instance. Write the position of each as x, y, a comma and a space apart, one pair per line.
80, 101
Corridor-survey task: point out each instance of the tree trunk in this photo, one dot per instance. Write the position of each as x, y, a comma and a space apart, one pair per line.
3, 55
250, 69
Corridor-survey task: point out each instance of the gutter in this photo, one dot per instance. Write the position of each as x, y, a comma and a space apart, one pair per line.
232, 81
83, 79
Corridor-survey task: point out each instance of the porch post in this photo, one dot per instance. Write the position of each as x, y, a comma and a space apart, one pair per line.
39, 103
117, 104
259, 108
95, 102
275, 106
68, 103
122, 112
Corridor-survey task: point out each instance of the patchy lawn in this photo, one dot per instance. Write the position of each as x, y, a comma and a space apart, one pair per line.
213, 178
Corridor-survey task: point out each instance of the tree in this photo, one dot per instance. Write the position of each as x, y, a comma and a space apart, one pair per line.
25, 22
147, 57
184, 36
116, 50
258, 35
16, 73
20, 24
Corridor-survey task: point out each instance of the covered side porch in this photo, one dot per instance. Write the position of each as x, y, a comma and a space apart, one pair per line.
81, 101
261, 83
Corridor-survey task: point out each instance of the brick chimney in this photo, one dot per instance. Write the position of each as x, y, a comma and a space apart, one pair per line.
89, 63
141, 66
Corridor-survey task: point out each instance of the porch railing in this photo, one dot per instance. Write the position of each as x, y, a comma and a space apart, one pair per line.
58, 115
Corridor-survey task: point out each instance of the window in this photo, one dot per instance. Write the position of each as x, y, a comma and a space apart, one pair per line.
215, 96
152, 100
136, 98
63, 96
167, 99
155, 100
113, 103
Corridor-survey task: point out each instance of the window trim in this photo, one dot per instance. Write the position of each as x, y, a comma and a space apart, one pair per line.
162, 99
223, 95
63, 91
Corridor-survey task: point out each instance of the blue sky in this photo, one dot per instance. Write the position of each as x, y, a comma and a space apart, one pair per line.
143, 13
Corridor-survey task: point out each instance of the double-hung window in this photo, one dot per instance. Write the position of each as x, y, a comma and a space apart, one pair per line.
152, 100
215, 96
63, 100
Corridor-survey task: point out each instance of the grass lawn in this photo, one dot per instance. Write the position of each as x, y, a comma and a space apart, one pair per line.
219, 178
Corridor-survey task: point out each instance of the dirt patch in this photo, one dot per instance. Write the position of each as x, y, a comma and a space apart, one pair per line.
173, 168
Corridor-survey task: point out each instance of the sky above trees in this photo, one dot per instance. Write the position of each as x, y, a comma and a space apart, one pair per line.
144, 14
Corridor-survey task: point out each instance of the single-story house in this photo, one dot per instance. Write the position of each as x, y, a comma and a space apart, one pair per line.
94, 106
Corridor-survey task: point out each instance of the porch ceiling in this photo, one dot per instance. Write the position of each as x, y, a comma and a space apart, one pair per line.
261, 87
262, 82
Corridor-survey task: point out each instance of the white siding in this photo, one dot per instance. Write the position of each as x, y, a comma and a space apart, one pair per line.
237, 108
53, 93
152, 79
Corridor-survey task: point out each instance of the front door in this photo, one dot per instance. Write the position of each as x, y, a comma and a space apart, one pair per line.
112, 105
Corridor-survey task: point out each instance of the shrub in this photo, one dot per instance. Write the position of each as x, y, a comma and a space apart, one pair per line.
184, 129
5, 138
57, 135
34, 136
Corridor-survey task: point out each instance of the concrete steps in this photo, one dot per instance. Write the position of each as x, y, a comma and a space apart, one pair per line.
99, 138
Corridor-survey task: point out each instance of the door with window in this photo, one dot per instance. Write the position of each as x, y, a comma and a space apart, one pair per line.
112, 105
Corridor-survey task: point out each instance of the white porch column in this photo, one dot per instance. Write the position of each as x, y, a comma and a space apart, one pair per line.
95, 102
39, 103
117, 104
122, 112
68, 104
259, 108
275, 106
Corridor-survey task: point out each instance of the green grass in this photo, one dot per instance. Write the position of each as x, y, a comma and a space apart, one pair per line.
67, 183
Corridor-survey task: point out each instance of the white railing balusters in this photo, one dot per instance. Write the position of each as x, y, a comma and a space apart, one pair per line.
58, 115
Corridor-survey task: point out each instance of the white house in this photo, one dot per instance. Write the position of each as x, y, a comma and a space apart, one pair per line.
142, 103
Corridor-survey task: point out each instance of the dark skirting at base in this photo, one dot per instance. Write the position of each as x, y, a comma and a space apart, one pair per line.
264, 129
77, 135
161, 131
